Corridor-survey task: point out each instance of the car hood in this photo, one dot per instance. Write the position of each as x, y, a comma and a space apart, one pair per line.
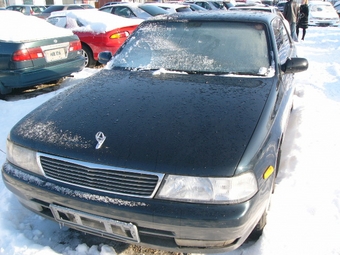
169, 123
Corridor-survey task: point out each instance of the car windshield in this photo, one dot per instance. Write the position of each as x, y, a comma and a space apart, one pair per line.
322, 8
152, 10
208, 47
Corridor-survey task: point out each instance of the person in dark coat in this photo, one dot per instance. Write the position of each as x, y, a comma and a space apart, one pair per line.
303, 19
290, 13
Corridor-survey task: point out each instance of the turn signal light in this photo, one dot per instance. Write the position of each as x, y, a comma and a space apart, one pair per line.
269, 171
120, 35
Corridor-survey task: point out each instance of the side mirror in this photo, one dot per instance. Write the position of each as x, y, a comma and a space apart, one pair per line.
104, 57
295, 65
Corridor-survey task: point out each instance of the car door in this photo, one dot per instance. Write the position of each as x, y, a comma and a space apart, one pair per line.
285, 49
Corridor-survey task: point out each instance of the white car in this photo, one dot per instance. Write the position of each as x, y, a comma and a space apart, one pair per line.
322, 14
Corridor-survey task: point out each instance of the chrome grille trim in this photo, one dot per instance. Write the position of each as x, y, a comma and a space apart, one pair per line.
98, 177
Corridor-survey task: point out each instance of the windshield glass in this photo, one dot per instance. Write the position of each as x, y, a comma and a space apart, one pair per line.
322, 7
209, 47
153, 10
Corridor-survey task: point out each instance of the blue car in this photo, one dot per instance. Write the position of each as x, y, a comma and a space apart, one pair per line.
29, 57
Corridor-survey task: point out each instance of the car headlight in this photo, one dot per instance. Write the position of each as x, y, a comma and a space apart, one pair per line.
23, 158
231, 190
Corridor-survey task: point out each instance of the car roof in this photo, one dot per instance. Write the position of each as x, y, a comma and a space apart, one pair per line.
112, 3
169, 4
123, 4
29, 5
255, 8
251, 16
102, 21
51, 7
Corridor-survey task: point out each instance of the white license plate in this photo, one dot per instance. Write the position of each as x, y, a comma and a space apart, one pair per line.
55, 54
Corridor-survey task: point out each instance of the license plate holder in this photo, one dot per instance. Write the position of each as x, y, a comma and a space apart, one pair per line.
94, 224
55, 54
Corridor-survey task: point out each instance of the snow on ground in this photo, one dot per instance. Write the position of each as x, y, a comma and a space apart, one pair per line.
304, 217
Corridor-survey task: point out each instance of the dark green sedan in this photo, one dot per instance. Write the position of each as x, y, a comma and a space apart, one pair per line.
33, 52
175, 144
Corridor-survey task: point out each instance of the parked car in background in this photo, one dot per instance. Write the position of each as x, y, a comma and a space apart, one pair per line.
229, 4
110, 3
195, 7
210, 5
131, 10
269, 2
175, 144
263, 8
31, 56
97, 31
322, 14
27, 9
53, 8
87, 6
173, 7
281, 5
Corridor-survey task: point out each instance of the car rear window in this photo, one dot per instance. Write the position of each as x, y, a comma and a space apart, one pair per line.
183, 9
209, 47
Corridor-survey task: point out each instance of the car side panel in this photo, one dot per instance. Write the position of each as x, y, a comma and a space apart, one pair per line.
102, 42
31, 77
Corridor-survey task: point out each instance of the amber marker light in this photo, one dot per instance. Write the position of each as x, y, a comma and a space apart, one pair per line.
120, 35
268, 172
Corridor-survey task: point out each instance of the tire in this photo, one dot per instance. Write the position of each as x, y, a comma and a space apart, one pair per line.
258, 230
87, 53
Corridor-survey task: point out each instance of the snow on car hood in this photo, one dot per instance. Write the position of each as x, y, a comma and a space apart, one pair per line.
17, 27
169, 123
95, 21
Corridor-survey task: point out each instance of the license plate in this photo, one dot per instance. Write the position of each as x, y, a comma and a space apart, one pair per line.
55, 54
94, 224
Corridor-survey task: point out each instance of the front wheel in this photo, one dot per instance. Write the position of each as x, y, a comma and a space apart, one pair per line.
258, 230
87, 53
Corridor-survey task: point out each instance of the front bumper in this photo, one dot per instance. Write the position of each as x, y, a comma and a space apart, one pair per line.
173, 226
324, 22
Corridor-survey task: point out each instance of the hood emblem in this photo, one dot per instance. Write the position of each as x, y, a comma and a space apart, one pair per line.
100, 137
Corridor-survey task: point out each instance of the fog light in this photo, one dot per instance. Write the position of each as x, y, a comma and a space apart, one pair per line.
203, 243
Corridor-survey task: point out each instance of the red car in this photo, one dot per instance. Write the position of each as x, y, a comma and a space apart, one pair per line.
97, 31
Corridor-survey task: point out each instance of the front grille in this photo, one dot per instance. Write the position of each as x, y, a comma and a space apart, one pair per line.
99, 177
